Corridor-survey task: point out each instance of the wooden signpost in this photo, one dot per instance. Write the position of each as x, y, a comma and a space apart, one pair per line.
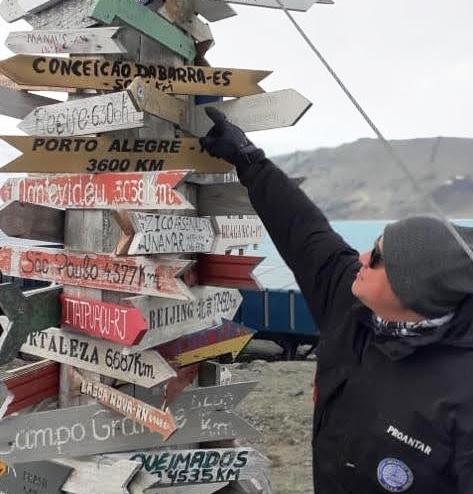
146, 368
104, 40
147, 276
160, 421
170, 319
214, 10
229, 338
12, 10
105, 113
97, 73
102, 154
99, 191
116, 323
17, 104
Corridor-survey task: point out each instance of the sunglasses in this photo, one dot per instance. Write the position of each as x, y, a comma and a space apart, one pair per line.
376, 257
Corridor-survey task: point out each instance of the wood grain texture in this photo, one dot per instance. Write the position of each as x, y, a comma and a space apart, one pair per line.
17, 104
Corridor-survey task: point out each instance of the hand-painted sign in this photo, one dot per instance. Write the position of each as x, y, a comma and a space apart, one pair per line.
17, 104
111, 322
145, 368
170, 319
125, 274
99, 191
140, 412
102, 40
297, 5
32, 311
104, 113
146, 21
12, 10
102, 154
200, 415
40, 477
199, 466
233, 233
97, 73
227, 339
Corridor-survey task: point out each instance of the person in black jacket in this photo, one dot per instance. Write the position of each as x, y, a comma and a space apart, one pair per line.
395, 403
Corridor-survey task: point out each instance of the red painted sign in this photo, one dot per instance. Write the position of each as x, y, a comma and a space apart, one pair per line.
146, 276
110, 322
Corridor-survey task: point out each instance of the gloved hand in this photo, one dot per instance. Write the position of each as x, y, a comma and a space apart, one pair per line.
227, 141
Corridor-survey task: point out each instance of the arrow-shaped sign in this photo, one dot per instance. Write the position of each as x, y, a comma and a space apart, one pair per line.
41, 477
297, 5
229, 338
154, 419
97, 73
116, 323
96, 114
103, 154
12, 10
100, 191
146, 368
201, 415
146, 21
26, 312
99, 477
170, 319
103, 40
146, 276
6, 398
17, 104
214, 10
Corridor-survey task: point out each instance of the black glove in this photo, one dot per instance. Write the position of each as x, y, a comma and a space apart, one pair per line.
227, 141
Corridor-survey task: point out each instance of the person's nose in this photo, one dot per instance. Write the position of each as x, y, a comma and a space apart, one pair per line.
364, 258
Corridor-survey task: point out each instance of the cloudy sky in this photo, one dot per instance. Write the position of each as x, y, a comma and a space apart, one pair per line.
410, 64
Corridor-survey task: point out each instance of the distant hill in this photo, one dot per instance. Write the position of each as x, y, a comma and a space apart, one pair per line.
360, 181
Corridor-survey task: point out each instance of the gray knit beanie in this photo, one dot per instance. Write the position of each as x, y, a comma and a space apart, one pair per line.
427, 269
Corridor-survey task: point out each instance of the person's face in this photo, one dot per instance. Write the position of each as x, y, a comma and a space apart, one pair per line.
372, 286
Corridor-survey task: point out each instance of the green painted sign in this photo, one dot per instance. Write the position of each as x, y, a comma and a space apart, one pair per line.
148, 22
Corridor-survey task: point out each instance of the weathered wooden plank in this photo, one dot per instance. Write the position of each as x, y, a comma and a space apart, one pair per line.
67, 14
6, 398
147, 276
99, 191
116, 323
168, 320
147, 22
214, 10
232, 233
17, 104
251, 113
23, 220
223, 199
160, 421
97, 73
95, 114
146, 368
12, 10
102, 154
40, 477
92, 429
103, 40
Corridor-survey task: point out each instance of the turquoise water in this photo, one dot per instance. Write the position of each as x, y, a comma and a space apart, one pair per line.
274, 274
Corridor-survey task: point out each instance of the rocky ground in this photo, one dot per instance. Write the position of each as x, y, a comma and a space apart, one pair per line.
281, 409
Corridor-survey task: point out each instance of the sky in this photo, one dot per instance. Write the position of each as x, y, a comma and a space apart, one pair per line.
408, 62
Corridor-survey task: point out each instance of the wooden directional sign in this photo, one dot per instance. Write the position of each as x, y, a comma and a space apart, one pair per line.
17, 104
297, 5
214, 10
102, 154
105, 113
201, 415
229, 338
145, 368
251, 113
116, 323
147, 276
39, 477
98, 477
170, 319
104, 40
33, 222
12, 10
32, 311
140, 412
99, 191
146, 21
97, 73
194, 489
6, 397
232, 233
199, 466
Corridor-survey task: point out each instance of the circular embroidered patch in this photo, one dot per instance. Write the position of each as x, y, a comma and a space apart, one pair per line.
394, 475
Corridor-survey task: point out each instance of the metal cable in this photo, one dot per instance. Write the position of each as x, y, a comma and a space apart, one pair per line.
388, 146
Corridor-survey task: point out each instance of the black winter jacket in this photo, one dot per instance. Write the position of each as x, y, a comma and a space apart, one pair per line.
393, 414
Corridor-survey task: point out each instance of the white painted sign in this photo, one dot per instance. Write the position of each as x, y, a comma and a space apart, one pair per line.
105, 113
12, 10
233, 233
170, 319
144, 368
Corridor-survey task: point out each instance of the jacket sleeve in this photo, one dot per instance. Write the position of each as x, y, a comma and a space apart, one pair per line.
323, 263
463, 457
